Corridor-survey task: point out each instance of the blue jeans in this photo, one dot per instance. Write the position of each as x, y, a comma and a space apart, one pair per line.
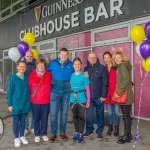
99, 106
19, 125
40, 113
58, 102
113, 114
27, 122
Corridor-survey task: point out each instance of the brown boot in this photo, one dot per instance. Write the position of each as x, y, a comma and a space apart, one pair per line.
53, 138
64, 137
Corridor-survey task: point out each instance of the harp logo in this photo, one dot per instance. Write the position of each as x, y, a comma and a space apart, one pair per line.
37, 12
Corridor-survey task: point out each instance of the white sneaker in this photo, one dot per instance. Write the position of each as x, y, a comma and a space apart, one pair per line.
17, 142
26, 132
23, 140
45, 138
32, 131
37, 139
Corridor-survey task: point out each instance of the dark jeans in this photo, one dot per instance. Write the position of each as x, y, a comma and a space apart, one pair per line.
78, 111
40, 114
58, 102
19, 125
99, 106
126, 109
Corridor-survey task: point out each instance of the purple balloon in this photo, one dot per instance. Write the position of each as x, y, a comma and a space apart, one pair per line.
145, 49
147, 30
23, 48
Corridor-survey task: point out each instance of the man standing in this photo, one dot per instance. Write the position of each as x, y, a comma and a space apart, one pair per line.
31, 65
61, 69
98, 88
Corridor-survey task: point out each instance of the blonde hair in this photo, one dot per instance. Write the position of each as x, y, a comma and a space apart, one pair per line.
124, 57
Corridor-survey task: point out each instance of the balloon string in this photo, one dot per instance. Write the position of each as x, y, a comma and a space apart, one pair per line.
137, 136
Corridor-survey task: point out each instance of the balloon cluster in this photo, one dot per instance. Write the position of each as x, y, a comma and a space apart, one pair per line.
15, 53
137, 34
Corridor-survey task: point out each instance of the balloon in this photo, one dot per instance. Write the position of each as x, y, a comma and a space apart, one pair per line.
138, 50
146, 64
23, 48
147, 30
14, 54
145, 49
29, 38
137, 34
35, 53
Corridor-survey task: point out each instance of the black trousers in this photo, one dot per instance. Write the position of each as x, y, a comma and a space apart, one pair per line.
78, 111
126, 110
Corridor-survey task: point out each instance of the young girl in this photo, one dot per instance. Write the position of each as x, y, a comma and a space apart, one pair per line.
112, 107
18, 101
79, 99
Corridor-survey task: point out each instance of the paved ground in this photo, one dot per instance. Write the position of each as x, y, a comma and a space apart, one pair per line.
91, 143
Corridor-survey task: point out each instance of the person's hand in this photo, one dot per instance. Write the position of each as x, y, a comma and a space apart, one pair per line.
86, 74
10, 108
116, 95
87, 105
102, 99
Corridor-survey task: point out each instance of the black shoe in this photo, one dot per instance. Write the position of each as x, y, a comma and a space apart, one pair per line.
100, 137
87, 134
116, 130
130, 136
125, 139
110, 129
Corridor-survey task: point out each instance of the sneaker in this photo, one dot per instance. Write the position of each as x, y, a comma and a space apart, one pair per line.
32, 131
80, 138
26, 132
23, 140
75, 137
100, 137
37, 139
87, 134
17, 142
45, 138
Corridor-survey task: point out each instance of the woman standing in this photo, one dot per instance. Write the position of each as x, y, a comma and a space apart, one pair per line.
39, 84
79, 99
18, 101
124, 83
112, 107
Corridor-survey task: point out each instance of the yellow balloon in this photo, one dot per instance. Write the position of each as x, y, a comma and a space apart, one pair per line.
137, 34
35, 53
146, 64
29, 38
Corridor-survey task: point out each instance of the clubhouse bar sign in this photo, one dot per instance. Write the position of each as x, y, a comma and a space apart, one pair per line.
75, 19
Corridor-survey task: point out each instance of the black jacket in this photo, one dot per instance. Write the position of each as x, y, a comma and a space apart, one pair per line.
98, 79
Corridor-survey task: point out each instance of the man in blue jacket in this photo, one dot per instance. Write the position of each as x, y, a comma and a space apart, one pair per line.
98, 90
61, 70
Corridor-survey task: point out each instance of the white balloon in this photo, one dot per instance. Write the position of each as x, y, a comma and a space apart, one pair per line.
14, 54
138, 50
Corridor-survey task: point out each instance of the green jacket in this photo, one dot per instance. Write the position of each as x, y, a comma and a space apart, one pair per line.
18, 95
123, 80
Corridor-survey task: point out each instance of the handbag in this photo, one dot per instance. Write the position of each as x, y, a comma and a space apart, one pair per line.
122, 99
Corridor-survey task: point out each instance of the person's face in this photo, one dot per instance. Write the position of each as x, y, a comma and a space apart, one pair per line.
92, 59
21, 68
107, 59
29, 57
40, 67
118, 59
77, 65
63, 56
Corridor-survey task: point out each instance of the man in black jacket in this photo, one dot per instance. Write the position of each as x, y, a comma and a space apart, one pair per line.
98, 90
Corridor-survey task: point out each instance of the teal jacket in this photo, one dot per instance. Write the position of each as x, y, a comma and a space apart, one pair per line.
18, 95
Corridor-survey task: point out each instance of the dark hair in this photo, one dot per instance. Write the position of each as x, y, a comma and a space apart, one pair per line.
107, 53
40, 60
63, 50
21, 61
77, 59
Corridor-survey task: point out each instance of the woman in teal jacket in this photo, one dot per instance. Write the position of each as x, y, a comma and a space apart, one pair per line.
18, 101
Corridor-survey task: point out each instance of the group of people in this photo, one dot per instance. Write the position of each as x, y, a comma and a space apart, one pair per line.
51, 89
